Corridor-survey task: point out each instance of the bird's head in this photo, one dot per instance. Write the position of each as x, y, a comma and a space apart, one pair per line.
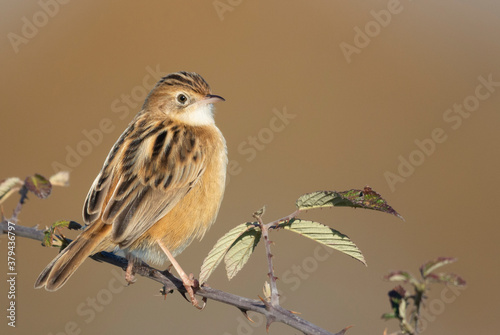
183, 96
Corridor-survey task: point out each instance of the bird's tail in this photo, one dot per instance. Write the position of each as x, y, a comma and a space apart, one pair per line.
55, 275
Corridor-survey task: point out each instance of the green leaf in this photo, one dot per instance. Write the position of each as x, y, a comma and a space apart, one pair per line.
366, 198
319, 199
241, 250
39, 185
220, 249
8, 187
430, 266
61, 224
324, 235
447, 278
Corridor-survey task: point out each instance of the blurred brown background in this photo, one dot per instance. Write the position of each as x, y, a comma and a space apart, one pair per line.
351, 116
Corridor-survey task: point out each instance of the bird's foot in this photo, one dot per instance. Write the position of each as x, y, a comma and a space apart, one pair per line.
129, 273
192, 285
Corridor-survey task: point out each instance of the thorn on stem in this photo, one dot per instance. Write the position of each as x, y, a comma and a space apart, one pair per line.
343, 331
245, 313
269, 321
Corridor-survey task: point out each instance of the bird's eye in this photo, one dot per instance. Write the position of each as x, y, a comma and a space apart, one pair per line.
182, 98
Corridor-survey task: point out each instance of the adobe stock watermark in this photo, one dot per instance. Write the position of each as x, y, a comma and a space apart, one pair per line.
253, 144
121, 108
95, 304
11, 273
453, 117
223, 6
373, 28
30, 26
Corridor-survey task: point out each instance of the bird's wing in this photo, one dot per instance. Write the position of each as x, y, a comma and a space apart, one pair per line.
150, 168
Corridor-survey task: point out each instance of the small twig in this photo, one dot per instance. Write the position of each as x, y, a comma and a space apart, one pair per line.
274, 224
24, 195
22, 231
418, 300
275, 302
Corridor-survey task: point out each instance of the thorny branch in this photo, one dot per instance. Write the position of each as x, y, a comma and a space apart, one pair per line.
274, 224
24, 194
170, 283
272, 278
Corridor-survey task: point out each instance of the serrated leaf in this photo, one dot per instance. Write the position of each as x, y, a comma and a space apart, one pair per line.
61, 178
325, 235
319, 199
366, 198
8, 187
241, 250
447, 278
430, 266
219, 250
39, 185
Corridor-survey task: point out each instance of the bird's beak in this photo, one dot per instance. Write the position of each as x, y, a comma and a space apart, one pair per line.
211, 99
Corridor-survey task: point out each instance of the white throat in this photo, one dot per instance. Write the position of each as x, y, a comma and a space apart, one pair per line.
199, 115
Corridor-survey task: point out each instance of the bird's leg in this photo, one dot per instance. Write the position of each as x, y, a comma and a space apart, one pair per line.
129, 274
188, 281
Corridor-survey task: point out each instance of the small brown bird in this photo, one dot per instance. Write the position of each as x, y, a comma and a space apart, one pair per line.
160, 187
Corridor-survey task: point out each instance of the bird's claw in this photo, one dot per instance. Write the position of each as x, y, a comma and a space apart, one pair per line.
129, 273
192, 285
